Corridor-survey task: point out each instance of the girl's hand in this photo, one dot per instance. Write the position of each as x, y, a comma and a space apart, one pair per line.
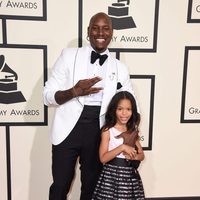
127, 157
129, 152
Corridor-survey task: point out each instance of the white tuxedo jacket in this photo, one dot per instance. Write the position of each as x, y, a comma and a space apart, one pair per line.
69, 68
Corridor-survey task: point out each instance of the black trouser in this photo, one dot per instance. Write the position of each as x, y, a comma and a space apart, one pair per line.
83, 141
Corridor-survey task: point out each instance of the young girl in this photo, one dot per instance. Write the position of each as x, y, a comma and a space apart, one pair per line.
119, 153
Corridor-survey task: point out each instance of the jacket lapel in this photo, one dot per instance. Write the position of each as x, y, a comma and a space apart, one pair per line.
80, 67
110, 84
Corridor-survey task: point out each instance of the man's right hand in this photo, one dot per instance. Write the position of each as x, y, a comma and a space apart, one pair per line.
84, 87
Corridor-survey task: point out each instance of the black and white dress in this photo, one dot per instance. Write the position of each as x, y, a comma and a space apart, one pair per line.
119, 178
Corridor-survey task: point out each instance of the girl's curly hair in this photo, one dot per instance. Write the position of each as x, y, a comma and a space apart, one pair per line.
110, 116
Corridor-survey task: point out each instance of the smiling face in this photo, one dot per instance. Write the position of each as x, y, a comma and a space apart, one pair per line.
100, 32
123, 111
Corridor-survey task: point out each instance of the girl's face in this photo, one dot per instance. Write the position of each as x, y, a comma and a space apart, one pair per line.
123, 111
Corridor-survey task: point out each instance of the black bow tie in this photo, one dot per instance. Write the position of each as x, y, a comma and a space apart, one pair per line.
95, 56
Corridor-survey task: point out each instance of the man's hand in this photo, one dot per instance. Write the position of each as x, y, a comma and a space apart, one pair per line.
84, 87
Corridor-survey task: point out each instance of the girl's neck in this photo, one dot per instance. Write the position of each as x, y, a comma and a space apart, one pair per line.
121, 127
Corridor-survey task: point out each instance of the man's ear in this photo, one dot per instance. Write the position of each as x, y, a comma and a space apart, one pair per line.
88, 31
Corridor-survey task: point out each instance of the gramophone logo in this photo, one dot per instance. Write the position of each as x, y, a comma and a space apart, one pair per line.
119, 15
8, 84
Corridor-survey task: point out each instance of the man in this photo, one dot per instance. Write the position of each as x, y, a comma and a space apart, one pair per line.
80, 88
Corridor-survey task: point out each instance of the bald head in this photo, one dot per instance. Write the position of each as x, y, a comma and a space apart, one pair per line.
100, 31
101, 15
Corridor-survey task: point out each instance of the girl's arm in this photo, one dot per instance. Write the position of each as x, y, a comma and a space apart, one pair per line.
140, 153
106, 155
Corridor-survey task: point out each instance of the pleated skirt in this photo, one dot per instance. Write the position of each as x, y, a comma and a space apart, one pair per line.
119, 180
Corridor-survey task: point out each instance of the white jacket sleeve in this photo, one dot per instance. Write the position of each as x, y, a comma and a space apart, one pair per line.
56, 82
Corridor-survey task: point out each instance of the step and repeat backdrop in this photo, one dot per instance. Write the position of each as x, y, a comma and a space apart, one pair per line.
159, 42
